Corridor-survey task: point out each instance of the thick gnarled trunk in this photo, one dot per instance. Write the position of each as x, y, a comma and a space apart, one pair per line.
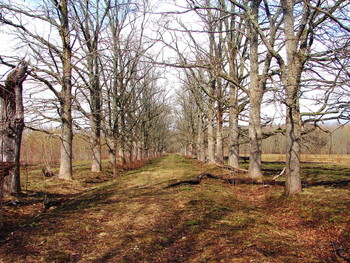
12, 118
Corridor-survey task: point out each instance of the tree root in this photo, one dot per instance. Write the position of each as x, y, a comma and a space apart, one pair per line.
340, 251
237, 181
47, 172
228, 167
195, 181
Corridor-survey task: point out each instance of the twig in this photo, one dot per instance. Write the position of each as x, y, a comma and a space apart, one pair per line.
339, 251
228, 167
280, 174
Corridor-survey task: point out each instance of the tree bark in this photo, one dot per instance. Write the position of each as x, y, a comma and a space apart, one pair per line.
200, 139
232, 57
90, 26
112, 154
66, 170
95, 118
233, 158
291, 75
12, 126
66, 96
96, 165
139, 150
255, 96
219, 126
211, 135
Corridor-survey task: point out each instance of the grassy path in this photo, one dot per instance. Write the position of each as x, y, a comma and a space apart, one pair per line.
134, 219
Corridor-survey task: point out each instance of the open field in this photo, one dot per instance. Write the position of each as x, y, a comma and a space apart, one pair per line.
313, 158
133, 218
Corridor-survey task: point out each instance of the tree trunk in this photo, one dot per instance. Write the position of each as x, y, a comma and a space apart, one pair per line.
66, 96
219, 137
131, 151
112, 154
95, 119
293, 131
233, 158
211, 135
255, 96
139, 150
200, 140
96, 165
291, 75
232, 56
66, 144
12, 126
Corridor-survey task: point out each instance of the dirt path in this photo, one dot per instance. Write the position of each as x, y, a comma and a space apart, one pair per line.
134, 219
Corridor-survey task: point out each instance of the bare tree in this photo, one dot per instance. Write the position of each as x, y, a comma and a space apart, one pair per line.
302, 24
258, 78
90, 16
55, 60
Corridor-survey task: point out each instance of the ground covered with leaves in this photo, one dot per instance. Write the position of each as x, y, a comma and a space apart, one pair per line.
135, 218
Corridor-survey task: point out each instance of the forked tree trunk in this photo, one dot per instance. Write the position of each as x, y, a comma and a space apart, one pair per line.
291, 76
12, 125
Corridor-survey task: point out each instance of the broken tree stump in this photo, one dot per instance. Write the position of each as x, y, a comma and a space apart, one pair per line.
47, 172
12, 125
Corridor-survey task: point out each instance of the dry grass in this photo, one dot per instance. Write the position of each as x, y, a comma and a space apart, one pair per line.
313, 158
134, 219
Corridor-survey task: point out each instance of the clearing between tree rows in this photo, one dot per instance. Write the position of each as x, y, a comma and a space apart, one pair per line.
135, 218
